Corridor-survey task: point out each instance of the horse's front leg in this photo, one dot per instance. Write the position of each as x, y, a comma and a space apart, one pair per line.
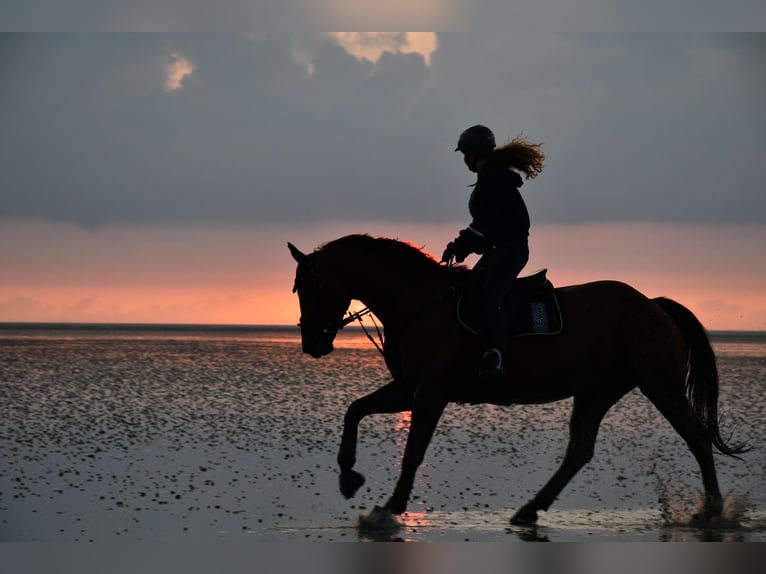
394, 397
427, 408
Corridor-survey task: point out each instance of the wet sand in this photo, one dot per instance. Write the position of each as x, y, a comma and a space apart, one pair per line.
234, 439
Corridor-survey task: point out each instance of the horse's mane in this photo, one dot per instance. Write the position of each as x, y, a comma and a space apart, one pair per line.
383, 247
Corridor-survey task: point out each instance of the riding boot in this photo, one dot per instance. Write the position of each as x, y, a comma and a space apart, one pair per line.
492, 363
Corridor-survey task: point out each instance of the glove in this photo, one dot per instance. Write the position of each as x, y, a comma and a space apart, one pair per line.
454, 251
449, 253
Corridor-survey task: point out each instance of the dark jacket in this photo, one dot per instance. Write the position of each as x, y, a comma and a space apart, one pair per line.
498, 210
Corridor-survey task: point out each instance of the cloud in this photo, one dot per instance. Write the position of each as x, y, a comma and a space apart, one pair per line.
371, 46
303, 55
305, 128
21, 308
128, 306
364, 46
178, 69
84, 305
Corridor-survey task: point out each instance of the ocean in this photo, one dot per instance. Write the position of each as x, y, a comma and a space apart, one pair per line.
165, 433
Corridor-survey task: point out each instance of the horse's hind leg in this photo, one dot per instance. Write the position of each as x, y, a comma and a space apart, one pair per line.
587, 414
394, 397
677, 410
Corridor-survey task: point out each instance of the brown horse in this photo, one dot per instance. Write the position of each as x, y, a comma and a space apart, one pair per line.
614, 339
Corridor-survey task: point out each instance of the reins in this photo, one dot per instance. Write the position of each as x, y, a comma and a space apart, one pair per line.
357, 316
379, 344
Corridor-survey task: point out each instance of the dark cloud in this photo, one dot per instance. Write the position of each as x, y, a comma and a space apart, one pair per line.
272, 128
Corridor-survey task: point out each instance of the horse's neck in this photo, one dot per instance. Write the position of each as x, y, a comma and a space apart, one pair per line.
393, 296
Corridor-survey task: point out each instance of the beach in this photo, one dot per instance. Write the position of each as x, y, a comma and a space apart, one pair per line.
212, 434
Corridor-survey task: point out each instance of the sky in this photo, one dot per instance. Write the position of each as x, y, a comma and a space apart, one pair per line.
157, 177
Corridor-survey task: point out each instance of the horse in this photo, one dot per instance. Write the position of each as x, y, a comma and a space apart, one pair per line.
614, 340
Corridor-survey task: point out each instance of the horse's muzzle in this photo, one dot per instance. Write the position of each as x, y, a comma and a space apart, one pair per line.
322, 344
321, 353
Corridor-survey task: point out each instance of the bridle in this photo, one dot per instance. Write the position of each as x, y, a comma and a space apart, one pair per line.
310, 275
337, 325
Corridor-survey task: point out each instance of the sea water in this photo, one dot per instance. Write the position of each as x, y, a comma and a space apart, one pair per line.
171, 433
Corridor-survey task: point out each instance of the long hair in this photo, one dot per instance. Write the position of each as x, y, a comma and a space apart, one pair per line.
521, 155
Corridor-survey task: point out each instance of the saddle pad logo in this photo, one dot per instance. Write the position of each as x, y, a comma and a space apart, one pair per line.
539, 316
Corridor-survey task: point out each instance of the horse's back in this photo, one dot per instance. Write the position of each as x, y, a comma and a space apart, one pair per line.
598, 299
611, 306
612, 339
602, 287
608, 322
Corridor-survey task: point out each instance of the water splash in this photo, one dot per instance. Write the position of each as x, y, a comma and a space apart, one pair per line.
736, 507
680, 504
379, 525
676, 502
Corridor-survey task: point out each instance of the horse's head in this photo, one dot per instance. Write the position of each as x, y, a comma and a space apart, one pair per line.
322, 306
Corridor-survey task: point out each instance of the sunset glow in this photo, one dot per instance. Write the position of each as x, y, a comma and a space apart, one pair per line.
371, 46
199, 275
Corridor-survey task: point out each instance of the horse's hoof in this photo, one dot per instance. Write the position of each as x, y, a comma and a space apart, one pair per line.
350, 481
379, 519
705, 518
710, 513
525, 516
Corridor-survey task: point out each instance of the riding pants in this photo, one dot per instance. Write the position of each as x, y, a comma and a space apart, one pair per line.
502, 265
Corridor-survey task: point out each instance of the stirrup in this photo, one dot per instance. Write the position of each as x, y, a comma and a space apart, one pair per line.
491, 364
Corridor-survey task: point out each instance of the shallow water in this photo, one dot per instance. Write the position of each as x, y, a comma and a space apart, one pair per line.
156, 434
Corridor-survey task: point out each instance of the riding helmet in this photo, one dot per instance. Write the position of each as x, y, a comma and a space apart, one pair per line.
476, 139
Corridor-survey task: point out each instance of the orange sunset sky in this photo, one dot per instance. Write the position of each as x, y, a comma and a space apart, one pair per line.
155, 178
194, 275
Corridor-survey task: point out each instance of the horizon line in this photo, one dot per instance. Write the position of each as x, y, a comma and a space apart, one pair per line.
9, 325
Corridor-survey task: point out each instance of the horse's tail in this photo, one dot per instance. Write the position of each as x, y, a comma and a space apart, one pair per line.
702, 374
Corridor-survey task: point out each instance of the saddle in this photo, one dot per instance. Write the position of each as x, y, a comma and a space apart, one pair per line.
530, 305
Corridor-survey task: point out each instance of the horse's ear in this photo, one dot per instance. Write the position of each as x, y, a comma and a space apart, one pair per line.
299, 256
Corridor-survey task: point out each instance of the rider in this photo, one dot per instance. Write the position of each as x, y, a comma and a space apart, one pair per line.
500, 227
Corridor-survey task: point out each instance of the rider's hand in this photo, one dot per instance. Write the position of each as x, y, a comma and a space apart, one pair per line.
449, 253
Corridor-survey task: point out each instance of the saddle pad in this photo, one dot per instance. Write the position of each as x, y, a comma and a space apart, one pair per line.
537, 312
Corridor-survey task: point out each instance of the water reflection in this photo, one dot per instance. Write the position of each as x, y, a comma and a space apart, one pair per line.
378, 526
530, 534
403, 421
703, 534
